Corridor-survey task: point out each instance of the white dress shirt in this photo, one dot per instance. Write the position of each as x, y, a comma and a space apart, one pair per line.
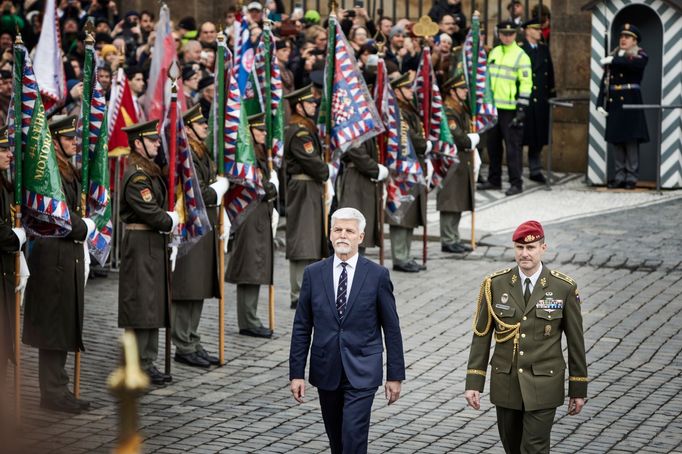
533, 279
350, 271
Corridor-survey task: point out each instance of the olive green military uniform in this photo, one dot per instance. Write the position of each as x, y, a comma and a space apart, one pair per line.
457, 193
306, 173
355, 187
528, 366
54, 299
144, 287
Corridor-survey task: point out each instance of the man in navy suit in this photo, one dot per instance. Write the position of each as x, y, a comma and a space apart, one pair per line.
345, 303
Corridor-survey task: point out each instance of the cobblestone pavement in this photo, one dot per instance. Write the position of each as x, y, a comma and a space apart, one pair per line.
633, 342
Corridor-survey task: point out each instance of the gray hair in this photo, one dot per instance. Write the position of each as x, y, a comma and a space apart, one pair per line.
350, 213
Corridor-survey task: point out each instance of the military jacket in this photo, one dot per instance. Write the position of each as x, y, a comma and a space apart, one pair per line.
306, 173
144, 287
536, 123
528, 366
457, 192
9, 244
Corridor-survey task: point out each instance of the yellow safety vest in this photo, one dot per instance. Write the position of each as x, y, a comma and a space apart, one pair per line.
509, 67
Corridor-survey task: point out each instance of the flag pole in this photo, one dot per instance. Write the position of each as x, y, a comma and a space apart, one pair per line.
381, 148
476, 41
172, 152
18, 175
268, 148
219, 140
329, 88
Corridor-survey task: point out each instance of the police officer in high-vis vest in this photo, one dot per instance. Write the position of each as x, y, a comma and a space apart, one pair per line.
527, 309
511, 82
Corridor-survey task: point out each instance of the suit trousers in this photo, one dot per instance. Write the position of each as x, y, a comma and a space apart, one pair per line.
525, 432
185, 326
401, 240
449, 226
147, 346
247, 306
626, 162
296, 268
512, 138
52, 374
534, 164
346, 413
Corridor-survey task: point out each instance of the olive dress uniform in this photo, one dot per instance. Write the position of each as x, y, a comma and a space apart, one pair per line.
54, 298
143, 291
528, 367
356, 187
306, 175
457, 193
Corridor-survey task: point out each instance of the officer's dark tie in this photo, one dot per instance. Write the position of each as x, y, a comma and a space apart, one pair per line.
341, 291
526, 293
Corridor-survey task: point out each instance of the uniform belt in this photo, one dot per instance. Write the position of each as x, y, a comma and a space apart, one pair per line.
302, 177
620, 87
136, 226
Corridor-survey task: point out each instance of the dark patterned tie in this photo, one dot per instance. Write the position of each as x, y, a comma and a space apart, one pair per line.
526, 293
341, 291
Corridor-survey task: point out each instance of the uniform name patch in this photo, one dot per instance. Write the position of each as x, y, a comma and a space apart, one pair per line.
308, 147
146, 194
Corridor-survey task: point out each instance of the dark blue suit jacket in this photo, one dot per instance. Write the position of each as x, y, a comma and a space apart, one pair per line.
352, 344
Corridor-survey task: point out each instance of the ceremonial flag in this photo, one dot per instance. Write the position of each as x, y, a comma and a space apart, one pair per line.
121, 113
244, 58
481, 104
216, 120
43, 203
347, 112
48, 58
400, 157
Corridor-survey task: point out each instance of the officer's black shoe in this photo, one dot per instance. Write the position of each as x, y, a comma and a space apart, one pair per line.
454, 248
616, 185
487, 185
418, 265
157, 377
214, 360
294, 304
83, 404
630, 185
540, 178
192, 359
513, 190
62, 403
406, 267
261, 331
466, 247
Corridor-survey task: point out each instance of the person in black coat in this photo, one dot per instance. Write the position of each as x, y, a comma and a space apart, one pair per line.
625, 129
536, 126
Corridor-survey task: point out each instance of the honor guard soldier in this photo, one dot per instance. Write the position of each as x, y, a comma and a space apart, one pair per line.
53, 317
11, 241
457, 193
401, 233
512, 83
143, 290
526, 309
251, 258
196, 272
306, 174
536, 124
621, 84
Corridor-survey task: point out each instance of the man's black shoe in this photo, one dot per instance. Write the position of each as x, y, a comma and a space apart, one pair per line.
540, 178
513, 190
83, 404
487, 185
261, 331
406, 267
466, 247
61, 404
419, 266
192, 359
214, 360
616, 185
630, 185
454, 248
157, 377
294, 304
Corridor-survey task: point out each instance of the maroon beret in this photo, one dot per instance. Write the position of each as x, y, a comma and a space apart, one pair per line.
528, 232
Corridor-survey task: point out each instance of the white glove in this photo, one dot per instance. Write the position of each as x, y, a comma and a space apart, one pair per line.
220, 187
332, 171
606, 60
601, 110
23, 276
429, 172
383, 173
21, 236
384, 194
620, 53
274, 179
429, 146
475, 139
275, 222
86, 261
90, 224
329, 195
477, 163
175, 218
173, 256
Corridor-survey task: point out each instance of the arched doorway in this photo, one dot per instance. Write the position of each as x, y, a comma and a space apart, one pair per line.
651, 28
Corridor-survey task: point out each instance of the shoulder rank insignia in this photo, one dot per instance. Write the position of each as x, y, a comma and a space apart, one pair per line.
500, 272
139, 178
146, 194
563, 277
302, 133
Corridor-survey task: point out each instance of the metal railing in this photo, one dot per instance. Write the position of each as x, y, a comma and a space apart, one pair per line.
554, 103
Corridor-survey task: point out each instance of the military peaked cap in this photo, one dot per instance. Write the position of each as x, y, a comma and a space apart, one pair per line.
302, 94
456, 81
533, 23
65, 126
401, 81
4, 138
631, 30
506, 27
257, 121
193, 115
147, 129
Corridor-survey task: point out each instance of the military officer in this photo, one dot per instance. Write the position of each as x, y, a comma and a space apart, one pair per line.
251, 257
401, 232
196, 272
526, 309
306, 174
53, 317
536, 124
457, 192
143, 291
621, 84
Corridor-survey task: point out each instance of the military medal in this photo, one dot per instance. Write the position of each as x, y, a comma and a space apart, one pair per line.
548, 329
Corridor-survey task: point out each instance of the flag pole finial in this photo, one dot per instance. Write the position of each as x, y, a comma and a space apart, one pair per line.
173, 74
89, 33
333, 4
18, 41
